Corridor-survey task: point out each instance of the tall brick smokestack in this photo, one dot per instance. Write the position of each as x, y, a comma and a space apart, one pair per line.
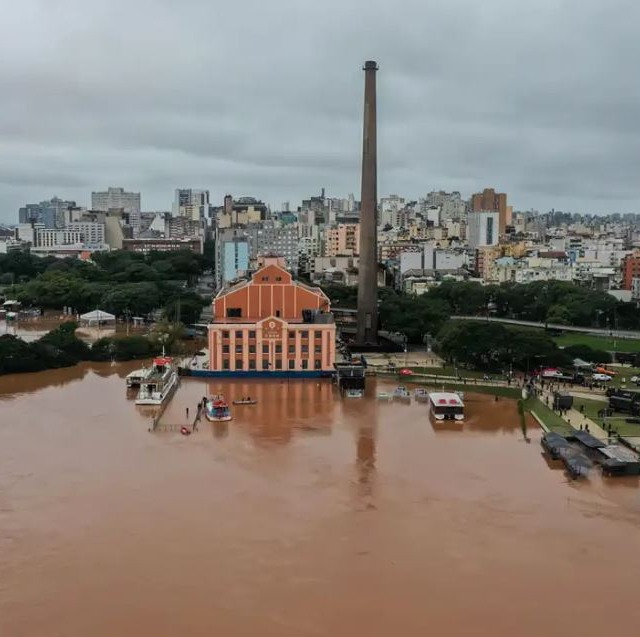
367, 333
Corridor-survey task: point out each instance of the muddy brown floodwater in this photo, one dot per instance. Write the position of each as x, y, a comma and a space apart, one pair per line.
305, 515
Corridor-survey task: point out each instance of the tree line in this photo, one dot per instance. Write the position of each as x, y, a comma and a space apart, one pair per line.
62, 348
497, 347
122, 283
555, 302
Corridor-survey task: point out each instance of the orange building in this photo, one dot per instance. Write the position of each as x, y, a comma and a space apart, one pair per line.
271, 324
630, 270
491, 201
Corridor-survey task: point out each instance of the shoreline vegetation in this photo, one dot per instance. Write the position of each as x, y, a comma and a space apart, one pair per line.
61, 347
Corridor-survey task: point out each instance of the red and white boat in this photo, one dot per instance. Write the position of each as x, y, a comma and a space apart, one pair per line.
217, 409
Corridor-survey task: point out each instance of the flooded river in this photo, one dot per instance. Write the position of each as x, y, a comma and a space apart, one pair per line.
305, 515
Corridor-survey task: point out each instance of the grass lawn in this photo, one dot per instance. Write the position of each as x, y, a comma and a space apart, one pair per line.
497, 390
591, 409
552, 421
626, 373
450, 371
598, 342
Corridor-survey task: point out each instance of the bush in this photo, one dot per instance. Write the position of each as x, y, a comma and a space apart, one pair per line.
17, 356
588, 354
63, 340
123, 349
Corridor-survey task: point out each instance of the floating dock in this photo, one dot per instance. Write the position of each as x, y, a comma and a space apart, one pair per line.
580, 450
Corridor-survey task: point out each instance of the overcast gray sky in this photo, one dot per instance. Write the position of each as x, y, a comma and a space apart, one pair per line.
539, 98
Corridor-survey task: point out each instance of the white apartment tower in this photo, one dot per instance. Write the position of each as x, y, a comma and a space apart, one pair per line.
119, 199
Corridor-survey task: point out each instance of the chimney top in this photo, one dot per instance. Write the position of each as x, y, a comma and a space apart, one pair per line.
370, 65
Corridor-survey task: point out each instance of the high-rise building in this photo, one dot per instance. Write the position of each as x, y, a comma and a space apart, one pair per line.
119, 199
190, 203
630, 270
482, 229
281, 241
50, 213
233, 253
389, 208
491, 201
92, 233
116, 199
343, 239
451, 204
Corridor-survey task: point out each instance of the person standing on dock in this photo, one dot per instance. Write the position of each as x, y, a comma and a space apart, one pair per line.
187, 413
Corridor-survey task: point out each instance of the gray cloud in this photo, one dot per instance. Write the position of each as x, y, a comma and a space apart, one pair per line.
265, 98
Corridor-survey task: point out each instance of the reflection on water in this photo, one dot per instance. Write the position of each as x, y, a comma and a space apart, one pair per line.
13, 385
305, 515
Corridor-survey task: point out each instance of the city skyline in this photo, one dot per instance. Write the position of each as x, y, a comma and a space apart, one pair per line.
534, 102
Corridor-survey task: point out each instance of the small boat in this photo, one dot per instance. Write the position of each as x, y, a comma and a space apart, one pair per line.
217, 409
384, 395
244, 401
354, 393
134, 379
401, 393
421, 395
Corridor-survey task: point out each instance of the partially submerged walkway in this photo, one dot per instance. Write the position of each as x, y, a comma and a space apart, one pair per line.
574, 418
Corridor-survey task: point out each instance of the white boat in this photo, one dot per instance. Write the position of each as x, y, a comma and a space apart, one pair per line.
384, 395
354, 393
158, 382
217, 409
401, 393
421, 395
446, 406
135, 378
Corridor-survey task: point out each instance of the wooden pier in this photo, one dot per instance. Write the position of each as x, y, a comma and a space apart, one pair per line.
162, 427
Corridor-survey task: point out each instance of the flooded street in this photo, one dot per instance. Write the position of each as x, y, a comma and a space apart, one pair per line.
305, 515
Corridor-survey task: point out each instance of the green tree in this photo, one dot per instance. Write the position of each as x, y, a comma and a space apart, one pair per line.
138, 298
185, 307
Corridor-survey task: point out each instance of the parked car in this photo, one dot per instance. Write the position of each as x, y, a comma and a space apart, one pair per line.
601, 378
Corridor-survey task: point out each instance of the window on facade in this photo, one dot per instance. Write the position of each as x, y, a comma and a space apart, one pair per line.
292, 349
238, 349
252, 333
278, 313
225, 334
278, 363
292, 364
292, 334
252, 349
278, 278
238, 363
318, 349
265, 349
304, 334
317, 364
225, 349
225, 364
318, 334
265, 278
234, 312
278, 348
305, 349
305, 364
238, 333
252, 364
